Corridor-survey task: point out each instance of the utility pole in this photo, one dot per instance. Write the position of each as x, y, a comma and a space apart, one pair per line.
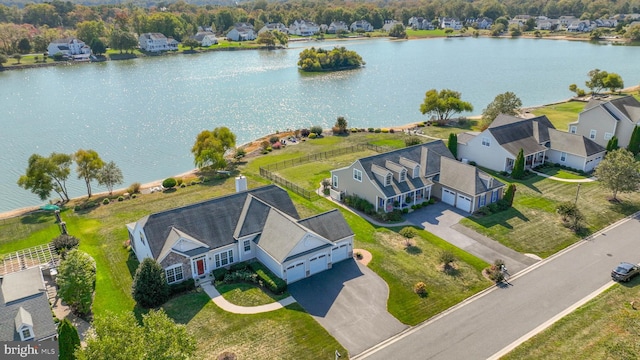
577, 193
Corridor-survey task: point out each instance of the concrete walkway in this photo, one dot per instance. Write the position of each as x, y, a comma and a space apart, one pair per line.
232, 308
591, 179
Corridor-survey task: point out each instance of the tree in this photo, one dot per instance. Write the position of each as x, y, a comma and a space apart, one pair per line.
316, 129
518, 166
210, 147
282, 38
36, 178
24, 46
109, 176
149, 288
507, 103
339, 58
169, 183
266, 38
571, 215
633, 33
3, 59
634, 142
88, 31
596, 80
613, 82
510, 194
120, 337
88, 164
619, 172
397, 31
18, 57
98, 47
190, 43
68, 340
452, 144
443, 104
612, 144
574, 88
341, 124
59, 168
76, 280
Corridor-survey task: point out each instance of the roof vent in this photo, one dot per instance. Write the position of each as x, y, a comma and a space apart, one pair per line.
241, 183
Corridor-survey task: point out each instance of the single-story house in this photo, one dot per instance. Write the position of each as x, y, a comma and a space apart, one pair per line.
600, 120
259, 224
412, 175
497, 147
25, 312
72, 47
241, 32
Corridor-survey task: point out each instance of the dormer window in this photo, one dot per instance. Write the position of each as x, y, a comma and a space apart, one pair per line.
403, 175
26, 334
387, 180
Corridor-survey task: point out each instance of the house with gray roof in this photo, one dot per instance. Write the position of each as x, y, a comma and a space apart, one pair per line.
602, 119
413, 175
497, 147
25, 313
259, 224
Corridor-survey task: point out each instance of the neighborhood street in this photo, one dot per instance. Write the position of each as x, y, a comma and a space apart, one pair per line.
499, 319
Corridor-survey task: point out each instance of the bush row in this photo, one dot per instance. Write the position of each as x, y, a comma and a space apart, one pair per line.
496, 207
272, 282
182, 287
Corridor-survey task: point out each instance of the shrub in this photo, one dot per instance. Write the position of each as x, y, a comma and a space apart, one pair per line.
277, 145
241, 276
265, 144
392, 131
370, 130
180, 181
305, 132
219, 273
316, 129
336, 130
182, 287
149, 288
194, 182
447, 257
493, 207
408, 232
312, 136
354, 130
120, 198
239, 266
240, 153
378, 130
472, 163
65, 242
384, 131
169, 183
274, 139
183, 185
134, 196
412, 140
272, 282
76, 280
432, 201
134, 188
68, 340
420, 288
106, 201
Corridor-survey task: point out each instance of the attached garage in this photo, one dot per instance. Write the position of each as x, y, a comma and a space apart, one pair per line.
295, 272
318, 264
339, 253
463, 203
448, 196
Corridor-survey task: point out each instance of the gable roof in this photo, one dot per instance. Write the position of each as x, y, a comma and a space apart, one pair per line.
280, 235
466, 178
214, 221
513, 133
330, 225
573, 143
629, 106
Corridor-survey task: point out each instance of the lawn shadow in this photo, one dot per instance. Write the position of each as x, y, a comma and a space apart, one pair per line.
500, 218
37, 217
623, 207
132, 263
184, 307
451, 270
413, 250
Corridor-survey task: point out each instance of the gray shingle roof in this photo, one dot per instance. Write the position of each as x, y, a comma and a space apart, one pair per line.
464, 137
213, 222
466, 178
629, 106
527, 134
330, 225
573, 143
280, 235
36, 305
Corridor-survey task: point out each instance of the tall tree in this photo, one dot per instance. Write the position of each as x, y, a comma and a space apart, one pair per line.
506, 103
210, 147
452, 144
619, 172
596, 80
518, 166
59, 170
612, 144
444, 104
149, 288
76, 280
341, 125
36, 178
613, 82
68, 340
634, 142
88, 164
109, 176
266, 38
120, 336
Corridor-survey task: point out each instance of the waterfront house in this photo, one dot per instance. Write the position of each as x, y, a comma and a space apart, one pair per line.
74, 48
205, 38
401, 178
420, 23
241, 32
336, 26
450, 23
259, 224
303, 28
274, 26
156, 42
389, 24
361, 25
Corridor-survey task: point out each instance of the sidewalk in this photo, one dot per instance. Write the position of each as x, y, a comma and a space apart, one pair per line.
591, 179
232, 308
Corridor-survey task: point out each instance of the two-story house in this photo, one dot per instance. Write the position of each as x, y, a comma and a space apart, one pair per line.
72, 47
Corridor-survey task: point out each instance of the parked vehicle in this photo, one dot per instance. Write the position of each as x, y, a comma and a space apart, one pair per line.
625, 271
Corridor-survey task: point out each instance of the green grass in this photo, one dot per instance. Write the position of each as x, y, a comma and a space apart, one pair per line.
243, 294
561, 114
422, 34
562, 174
532, 225
288, 333
604, 328
27, 231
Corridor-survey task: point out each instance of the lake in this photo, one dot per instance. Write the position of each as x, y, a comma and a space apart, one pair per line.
145, 113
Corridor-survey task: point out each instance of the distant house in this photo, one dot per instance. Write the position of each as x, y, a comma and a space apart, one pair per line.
543, 23
259, 224
420, 23
483, 23
361, 25
241, 32
304, 28
412, 175
580, 26
156, 42
71, 47
336, 26
389, 24
497, 147
274, 26
450, 23
600, 120
25, 312
566, 20
205, 38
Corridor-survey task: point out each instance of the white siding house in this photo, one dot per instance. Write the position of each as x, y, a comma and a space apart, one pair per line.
72, 47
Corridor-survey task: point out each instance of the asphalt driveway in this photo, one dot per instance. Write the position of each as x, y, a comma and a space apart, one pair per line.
350, 301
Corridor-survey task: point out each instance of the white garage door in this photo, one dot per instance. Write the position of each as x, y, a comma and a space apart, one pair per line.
339, 253
295, 272
318, 264
463, 203
448, 196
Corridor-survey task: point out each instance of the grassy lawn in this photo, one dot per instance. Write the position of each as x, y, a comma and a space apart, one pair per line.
606, 327
248, 294
288, 333
532, 225
561, 114
562, 174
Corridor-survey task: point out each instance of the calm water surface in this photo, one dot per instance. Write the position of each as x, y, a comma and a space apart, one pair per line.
144, 114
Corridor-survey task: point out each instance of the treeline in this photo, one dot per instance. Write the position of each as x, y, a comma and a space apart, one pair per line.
40, 23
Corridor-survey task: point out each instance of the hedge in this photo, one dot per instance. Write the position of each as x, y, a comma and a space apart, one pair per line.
272, 282
182, 287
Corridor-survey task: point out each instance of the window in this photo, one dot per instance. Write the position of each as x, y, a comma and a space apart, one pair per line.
486, 141
142, 238
608, 136
174, 274
224, 258
494, 196
247, 245
403, 175
357, 175
335, 181
387, 180
483, 200
573, 129
26, 334
563, 156
592, 134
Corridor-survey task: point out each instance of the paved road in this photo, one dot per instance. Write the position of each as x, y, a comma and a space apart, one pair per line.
483, 327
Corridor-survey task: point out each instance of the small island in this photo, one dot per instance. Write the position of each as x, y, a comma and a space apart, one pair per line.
317, 60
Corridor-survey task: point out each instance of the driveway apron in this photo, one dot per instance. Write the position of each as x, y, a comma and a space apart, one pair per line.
350, 301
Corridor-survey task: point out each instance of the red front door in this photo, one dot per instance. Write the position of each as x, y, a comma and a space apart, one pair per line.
200, 266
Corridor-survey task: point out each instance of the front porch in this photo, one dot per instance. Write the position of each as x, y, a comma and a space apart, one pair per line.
404, 200
530, 161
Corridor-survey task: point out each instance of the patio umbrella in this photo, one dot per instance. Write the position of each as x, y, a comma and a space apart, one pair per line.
50, 207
